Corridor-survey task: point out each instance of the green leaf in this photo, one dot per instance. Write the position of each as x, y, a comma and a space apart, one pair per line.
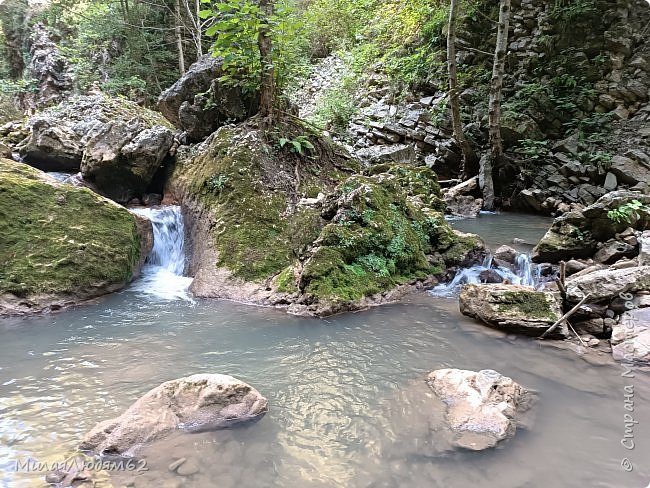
283, 141
212, 30
204, 14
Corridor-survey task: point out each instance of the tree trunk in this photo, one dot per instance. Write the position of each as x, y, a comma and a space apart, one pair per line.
494, 111
265, 44
179, 35
454, 100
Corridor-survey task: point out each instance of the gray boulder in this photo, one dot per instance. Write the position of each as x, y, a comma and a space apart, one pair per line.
117, 145
512, 308
631, 336
482, 408
199, 103
630, 171
612, 251
195, 403
396, 153
607, 284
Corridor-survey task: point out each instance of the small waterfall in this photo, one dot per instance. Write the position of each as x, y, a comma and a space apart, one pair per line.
162, 274
524, 272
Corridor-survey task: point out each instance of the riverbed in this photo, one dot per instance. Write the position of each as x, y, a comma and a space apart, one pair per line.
347, 394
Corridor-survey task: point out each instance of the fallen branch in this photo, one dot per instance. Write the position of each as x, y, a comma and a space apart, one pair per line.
565, 317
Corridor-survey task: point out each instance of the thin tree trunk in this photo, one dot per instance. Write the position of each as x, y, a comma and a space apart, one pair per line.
197, 33
454, 100
179, 36
265, 44
494, 111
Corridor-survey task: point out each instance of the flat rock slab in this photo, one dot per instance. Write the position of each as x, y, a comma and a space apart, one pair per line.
195, 403
482, 408
608, 284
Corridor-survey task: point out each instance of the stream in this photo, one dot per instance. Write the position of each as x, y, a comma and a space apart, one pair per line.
345, 393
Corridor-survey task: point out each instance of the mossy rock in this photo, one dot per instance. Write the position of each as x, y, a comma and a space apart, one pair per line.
370, 233
512, 308
60, 244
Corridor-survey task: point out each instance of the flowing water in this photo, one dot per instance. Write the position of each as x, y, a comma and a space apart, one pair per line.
348, 404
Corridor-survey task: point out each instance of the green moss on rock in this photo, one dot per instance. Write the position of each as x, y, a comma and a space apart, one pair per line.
57, 239
533, 305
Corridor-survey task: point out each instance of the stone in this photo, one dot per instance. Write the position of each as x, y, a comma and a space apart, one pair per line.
612, 251
199, 103
5, 151
117, 144
506, 253
61, 245
49, 67
564, 241
464, 206
573, 266
490, 276
644, 248
512, 308
631, 337
482, 408
397, 153
629, 171
625, 263
595, 327
607, 284
518, 126
196, 403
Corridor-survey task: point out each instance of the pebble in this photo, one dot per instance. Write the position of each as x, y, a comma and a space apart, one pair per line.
188, 468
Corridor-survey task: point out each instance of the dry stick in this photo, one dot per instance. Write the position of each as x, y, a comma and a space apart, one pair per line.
565, 316
574, 331
562, 272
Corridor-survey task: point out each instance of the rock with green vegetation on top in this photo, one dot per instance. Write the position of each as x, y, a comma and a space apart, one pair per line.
576, 235
512, 308
117, 145
60, 245
271, 226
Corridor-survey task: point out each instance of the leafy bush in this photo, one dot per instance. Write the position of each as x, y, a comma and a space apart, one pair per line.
626, 212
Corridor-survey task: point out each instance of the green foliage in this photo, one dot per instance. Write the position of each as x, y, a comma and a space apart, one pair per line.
531, 149
335, 108
297, 145
627, 212
235, 26
217, 182
567, 11
128, 53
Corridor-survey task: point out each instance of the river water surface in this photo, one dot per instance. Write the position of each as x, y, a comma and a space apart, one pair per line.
348, 402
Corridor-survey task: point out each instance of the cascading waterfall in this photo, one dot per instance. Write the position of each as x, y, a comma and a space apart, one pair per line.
524, 272
162, 274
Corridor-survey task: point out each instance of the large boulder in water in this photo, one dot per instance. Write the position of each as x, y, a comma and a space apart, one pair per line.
482, 408
195, 403
261, 233
117, 145
199, 103
59, 244
512, 308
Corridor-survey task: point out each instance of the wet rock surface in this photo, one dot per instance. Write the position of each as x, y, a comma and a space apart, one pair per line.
482, 408
194, 403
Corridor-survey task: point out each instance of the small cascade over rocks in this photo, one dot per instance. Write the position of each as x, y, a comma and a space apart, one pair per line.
523, 272
162, 274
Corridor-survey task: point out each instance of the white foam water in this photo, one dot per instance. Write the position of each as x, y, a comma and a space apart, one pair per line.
162, 275
524, 273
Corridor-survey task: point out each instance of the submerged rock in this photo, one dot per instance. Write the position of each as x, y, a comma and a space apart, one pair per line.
60, 244
117, 144
194, 403
512, 308
369, 237
482, 408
